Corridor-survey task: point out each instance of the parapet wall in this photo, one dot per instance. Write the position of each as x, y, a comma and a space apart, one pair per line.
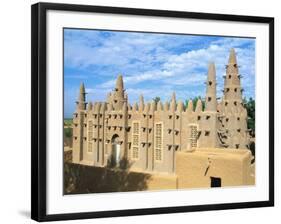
192, 170
197, 169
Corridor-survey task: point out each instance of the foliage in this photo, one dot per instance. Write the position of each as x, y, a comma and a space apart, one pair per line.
67, 127
194, 101
250, 107
68, 121
156, 99
68, 132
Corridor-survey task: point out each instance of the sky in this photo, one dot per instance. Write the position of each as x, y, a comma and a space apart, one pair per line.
152, 64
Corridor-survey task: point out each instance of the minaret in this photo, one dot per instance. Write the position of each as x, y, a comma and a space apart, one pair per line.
78, 126
211, 93
81, 103
209, 127
232, 86
233, 124
118, 96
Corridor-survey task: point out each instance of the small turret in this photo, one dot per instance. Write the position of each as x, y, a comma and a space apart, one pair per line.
180, 106
189, 106
152, 106
141, 107
198, 106
173, 102
159, 106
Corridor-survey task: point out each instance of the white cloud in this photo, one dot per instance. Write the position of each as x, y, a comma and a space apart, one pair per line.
144, 59
190, 68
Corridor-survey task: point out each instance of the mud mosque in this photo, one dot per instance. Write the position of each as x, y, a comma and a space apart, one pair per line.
198, 147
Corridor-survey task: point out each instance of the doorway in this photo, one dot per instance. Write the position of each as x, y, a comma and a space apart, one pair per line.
115, 151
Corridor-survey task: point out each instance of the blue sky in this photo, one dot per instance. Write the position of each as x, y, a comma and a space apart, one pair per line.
151, 64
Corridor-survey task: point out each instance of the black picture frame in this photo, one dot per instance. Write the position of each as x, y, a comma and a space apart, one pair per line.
39, 99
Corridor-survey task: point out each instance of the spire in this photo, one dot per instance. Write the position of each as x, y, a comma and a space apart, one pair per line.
118, 97
231, 106
152, 106
173, 102
211, 93
212, 72
141, 102
190, 106
159, 106
174, 97
232, 57
180, 106
119, 83
232, 85
81, 103
82, 93
198, 106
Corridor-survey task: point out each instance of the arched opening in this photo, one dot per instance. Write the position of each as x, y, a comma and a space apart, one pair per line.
115, 151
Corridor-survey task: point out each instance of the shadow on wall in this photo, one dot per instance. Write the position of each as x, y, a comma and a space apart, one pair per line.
79, 179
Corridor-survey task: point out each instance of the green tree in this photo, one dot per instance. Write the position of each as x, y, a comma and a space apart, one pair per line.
194, 101
250, 107
68, 132
156, 99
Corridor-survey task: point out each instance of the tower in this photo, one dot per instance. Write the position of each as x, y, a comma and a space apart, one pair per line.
81, 103
118, 97
232, 86
209, 123
211, 92
233, 114
79, 117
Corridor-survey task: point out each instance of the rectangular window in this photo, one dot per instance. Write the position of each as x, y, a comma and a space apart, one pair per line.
158, 142
193, 136
90, 136
135, 140
90, 147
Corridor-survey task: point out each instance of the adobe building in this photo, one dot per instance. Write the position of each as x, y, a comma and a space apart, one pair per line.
167, 137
